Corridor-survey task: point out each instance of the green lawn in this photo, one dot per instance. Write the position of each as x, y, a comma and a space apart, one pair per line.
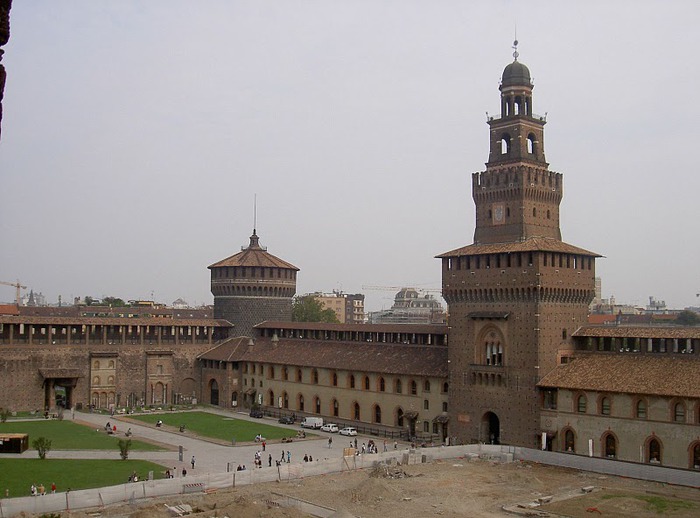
18, 475
219, 427
67, 435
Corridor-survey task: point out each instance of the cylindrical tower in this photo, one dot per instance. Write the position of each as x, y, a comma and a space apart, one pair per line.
253, 286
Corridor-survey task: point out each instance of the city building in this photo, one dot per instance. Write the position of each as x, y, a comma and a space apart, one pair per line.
348, 308
411, 307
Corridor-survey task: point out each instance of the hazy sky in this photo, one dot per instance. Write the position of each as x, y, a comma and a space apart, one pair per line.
136, 134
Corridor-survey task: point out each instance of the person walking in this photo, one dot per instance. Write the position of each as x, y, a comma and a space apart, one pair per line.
269, 460
289, 456
330, 442
192, 461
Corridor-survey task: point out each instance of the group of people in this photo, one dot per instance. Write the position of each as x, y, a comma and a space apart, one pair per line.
258, 462
110, 429
40, 490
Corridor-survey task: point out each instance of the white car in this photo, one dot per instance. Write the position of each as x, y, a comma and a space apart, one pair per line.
349, 430
330, 427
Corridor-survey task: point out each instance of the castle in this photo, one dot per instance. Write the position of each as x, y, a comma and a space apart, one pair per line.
517, 365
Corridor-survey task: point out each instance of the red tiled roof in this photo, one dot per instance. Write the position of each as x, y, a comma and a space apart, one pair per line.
366, 328
628, 373
639, 331
113, 321
254, 255
9, 309
416, 360
533, 244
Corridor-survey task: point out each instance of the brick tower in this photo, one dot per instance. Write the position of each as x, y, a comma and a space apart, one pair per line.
518, 292
253, 286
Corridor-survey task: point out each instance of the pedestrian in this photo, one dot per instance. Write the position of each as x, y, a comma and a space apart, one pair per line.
384, 445
330, 442
289, 456
263, 445
355, 442
311, 459
41, 490
192, 461
32, 490
184, 472
306, 458
282, 459
269, 460
53, 487
173, 472
395, 444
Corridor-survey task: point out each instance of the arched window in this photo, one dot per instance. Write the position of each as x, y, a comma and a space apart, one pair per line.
534, 212
285, 400
505, 144
285, 373
426, 386
679, 412
397, 386
96, 364
335, 408
96, 380
569, 441
641, 409
399, 417
654, 451
317, 405
299, 376
414, 388
300, 403
605, 405
493, 353
445, 388
314, 377
356, 411
581, 404
365, 382
271, 398
271, 372
382, 386
351, 381
110, 380
610, 445
426, 404
334, 379
111, 364
377, 414
531, 144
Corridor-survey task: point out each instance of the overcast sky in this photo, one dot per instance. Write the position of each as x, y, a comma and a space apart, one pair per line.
136, 134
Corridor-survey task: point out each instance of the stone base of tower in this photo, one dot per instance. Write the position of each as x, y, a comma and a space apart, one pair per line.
246, 312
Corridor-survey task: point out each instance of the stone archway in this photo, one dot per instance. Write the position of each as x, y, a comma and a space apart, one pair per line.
491, 428
213, 392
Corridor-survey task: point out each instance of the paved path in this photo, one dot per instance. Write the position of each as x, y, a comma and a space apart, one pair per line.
210, 457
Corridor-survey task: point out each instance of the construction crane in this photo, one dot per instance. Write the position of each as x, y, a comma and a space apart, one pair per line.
399, 288
18, 286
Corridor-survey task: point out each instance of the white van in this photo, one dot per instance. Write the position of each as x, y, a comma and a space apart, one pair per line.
312, 422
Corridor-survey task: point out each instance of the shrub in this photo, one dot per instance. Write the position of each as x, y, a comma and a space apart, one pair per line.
124, 447
42, 445
4, 414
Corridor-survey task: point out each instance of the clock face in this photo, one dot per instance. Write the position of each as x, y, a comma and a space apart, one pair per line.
498, 213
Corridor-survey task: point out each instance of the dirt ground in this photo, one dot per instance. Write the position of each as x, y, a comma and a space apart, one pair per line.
458, 487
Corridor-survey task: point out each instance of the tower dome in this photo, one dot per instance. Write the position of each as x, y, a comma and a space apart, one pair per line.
516, 74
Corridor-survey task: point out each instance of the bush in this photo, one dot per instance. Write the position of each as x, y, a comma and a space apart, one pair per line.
42, 445
4, 414
124, 447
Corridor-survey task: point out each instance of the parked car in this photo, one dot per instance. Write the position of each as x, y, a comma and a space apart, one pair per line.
330, 427
256, 412
286, 419
348, 430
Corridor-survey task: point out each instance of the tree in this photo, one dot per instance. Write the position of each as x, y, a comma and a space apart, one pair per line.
306, 308
42, 445
114, 302
4, 414
688, 318
89, 301
124, 447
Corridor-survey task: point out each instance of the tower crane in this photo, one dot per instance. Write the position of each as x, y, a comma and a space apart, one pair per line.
18, 286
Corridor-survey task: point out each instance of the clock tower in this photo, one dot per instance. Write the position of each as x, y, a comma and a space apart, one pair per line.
518, 291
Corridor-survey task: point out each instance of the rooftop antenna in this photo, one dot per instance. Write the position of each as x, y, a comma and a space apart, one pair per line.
255, 212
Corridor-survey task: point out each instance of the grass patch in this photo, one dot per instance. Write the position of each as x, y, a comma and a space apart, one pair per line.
18, 475
217, 426
67, 435
657, 504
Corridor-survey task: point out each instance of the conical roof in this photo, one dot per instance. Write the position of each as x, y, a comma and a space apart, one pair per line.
254, 255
